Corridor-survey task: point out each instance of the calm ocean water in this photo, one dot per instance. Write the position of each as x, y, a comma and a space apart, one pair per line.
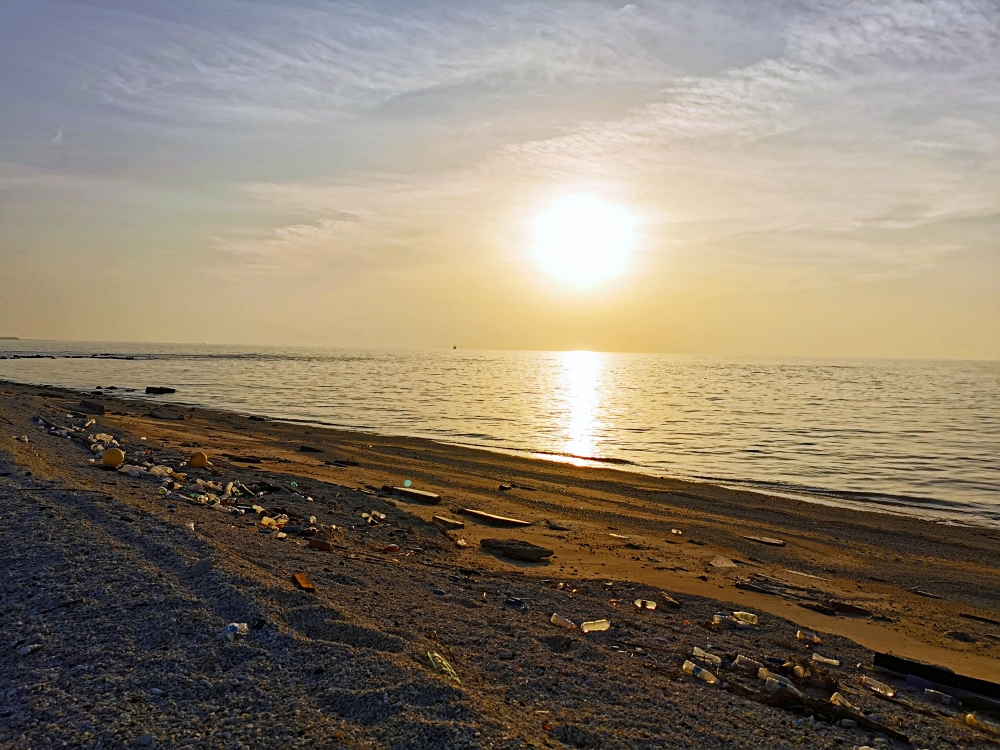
901, 436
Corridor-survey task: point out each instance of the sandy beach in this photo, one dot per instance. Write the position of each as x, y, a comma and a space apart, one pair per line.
106, 578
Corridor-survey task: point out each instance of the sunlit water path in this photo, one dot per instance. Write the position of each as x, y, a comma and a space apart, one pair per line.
914, 437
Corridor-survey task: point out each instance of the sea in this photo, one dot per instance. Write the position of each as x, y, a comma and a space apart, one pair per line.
894, 436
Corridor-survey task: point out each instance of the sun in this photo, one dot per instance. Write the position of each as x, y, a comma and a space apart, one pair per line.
582, 240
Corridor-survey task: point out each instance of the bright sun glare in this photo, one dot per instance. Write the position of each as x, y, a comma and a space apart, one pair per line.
583, 240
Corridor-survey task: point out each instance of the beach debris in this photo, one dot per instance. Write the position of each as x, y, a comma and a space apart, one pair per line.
936, 696
159, 390
839, 700
747, 664
422, 496
321, 545
772, 685
232, 630
562, 622
935, 676
689, 667
198, 460
722, 562
766, 674
517, 549
645, 604
722, 619
805, 575
493, 519
766, 540
407, 483
448, 523
113, 457
878, 687
595, 626
461, 543
715, 661
670, 600
390, 548
805, 635
189, 526
557, 524
136, 472
505, 488
440, 665
676, 532
824, 660
619, 536
302, 581
926, 594
748, 617
983, 725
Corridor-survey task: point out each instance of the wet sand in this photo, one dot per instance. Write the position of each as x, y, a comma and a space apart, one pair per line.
610, 527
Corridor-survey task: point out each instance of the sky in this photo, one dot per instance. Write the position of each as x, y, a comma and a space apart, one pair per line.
804, 178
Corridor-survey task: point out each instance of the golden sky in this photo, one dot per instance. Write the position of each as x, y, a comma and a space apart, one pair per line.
811, 178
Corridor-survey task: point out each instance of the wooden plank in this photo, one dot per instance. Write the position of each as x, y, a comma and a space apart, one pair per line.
448, 523
766, 540
303, 582
495, 520
419, 495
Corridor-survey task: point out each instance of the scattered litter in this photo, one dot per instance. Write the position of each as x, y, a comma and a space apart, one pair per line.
493, 519
442, 667
430, 498
303, 582
562, 622
689, 667
645, 604
677, 532
983, 725
670, 600
766, 540
927, 594
879, 687
805, 635
772, 685
505, 488
595, 626
391, 548
936, 696
461, 543
747, 664
619, 536
936, 676
448, 523
747, 617
557, 524
232, 630
805, 575
517, 549
824, 660
839, 700
715, 661
189, 525
198, 460
729, 621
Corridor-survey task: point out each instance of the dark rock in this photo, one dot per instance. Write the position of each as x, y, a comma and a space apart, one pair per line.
92, 407
164, 414
158, 390
309, 449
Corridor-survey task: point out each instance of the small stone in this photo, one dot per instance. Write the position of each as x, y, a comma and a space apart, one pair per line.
848, 723
145, 740
156, 691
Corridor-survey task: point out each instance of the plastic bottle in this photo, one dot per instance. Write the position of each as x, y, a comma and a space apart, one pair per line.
747, 664
805, 635
983, 725
747, 617
694, 670
776, 686
595, 626
766, 674
562, 622
728, 620
879, 687
712, 659
839, 700
825, 660
943, 698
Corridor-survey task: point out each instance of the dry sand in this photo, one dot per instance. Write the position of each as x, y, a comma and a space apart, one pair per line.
99, 571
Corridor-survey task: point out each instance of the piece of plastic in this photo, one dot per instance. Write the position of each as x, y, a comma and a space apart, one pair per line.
731, 622
232, 630
747, 664
879, 687
113, 457
558, 619
747, 617
766, 674
805, 635
694, 670
645, 604
825, 660
772, 685
712, 659
595, 626
442, 667
838, 699
198, 460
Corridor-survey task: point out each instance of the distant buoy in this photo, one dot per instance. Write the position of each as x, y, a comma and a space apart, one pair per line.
198, 461
113, 457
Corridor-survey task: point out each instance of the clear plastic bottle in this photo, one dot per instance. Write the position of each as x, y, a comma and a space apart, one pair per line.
558, 619
776, 686
825, 660
694, 670
747, 664
839, 700
748, 617
712, 659
766, 674
879, 687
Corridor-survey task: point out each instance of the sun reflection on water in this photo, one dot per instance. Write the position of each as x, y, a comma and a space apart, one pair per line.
581, 376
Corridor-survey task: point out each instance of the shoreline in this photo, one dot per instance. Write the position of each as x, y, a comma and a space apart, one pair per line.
389, 593
941, 511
